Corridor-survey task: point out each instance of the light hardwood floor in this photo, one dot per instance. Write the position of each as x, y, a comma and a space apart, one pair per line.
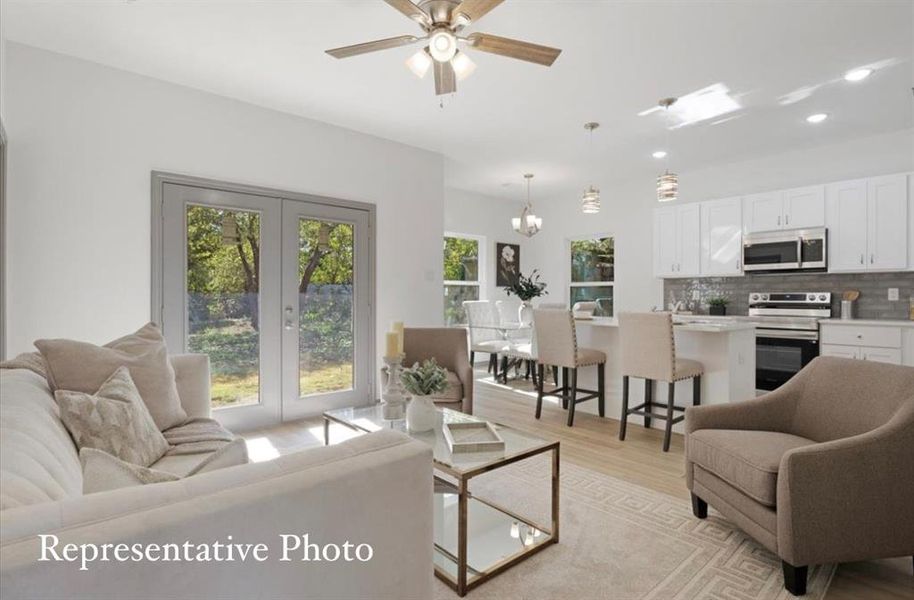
594, 443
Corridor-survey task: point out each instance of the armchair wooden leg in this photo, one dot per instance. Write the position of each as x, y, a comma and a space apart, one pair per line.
624, 420
668, 430
572, 400
794, 578
648, 400
601, 389
539, 393
699, 507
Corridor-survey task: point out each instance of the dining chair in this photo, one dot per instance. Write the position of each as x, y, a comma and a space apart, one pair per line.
557, 345
484, 337
648, 351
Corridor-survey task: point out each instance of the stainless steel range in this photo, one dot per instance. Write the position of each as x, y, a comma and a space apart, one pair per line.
786, 334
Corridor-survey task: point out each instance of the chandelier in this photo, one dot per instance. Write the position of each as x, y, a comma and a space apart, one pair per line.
667, 183
590, 201
528, 224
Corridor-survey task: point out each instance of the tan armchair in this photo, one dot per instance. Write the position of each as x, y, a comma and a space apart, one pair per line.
820, 470
448, 346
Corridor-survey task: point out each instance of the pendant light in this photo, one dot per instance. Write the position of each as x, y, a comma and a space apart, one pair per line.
668, 183
590, 201
528, 224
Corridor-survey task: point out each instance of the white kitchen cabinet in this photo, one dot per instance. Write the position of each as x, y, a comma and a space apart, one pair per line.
804, 207
798, 208
839, 351
846, 222
677, 241
870, 340
867, 222
721, 237
887, 222
763, 212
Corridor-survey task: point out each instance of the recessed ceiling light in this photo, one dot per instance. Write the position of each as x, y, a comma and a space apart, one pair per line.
816, 118
659, 154
858, 74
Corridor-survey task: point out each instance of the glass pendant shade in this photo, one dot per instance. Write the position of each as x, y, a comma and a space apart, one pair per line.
667, 187
419, 63
590, 201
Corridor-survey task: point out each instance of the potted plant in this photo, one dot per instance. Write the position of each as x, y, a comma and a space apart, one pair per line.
422, 381
717, 305
526, 288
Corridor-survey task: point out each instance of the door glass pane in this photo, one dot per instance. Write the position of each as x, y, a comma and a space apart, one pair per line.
601, 294
325, 294
223, 299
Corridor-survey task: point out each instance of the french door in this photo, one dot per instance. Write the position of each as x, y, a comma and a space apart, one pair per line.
277, 292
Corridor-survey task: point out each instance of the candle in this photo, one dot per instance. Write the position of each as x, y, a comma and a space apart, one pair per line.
393, 345
397, 327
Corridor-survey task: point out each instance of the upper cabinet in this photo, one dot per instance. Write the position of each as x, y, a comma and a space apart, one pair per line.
867, 222
721, 237
677, 244
798, 208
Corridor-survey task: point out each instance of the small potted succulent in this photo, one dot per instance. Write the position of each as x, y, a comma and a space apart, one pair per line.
423, 381
526, 289
717, 305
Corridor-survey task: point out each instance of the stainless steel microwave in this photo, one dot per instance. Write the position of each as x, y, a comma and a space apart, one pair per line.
797, 250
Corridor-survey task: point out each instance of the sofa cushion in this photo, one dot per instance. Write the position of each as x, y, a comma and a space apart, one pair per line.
83, 367
103, 472
747, 460
38, 461
114, 420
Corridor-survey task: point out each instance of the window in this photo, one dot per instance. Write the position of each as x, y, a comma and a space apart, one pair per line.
593, 273
462, 277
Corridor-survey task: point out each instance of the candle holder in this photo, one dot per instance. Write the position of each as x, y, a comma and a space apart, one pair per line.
394, 394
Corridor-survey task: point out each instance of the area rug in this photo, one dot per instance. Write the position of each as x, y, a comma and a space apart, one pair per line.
620, 541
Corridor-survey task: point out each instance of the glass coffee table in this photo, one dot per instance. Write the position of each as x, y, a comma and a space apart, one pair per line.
475, 538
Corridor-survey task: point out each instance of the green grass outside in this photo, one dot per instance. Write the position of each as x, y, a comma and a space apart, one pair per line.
238, 390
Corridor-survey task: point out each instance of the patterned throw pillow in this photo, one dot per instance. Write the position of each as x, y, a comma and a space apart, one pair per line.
114, 419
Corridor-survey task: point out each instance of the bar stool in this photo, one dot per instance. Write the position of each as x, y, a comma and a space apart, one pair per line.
648, 351
557, 345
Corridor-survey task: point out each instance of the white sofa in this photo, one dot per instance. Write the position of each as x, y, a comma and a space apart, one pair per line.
375, 489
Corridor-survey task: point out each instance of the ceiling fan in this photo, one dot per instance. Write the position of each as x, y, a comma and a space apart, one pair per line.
442, 21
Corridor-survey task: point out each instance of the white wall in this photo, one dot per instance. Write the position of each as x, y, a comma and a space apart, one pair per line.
467, 212
627, 208
83, 140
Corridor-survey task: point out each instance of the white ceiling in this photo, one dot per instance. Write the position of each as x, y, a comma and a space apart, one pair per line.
511, 117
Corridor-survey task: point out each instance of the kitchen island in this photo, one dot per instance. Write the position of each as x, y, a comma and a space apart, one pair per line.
726, 348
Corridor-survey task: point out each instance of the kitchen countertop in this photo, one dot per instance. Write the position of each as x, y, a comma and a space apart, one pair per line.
697, 323
881, 322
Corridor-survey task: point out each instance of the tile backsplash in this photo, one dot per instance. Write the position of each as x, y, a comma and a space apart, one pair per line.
873, 302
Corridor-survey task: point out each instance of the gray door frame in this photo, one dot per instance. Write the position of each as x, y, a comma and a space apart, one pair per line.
159, 179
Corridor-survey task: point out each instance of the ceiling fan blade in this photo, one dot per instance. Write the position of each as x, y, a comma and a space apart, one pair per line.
411, 10
541, 55
445, 79
394, 42
471, 11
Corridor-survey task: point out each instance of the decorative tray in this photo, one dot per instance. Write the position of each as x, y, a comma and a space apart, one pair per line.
477, 436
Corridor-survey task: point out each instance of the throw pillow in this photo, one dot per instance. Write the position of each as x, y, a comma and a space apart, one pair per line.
103, 472
113, 419
83, 367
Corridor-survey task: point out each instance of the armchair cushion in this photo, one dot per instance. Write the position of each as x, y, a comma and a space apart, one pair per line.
453, 392
747, 460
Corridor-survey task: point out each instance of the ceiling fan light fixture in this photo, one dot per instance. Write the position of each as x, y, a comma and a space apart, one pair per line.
463, 66
419, 63
442, 45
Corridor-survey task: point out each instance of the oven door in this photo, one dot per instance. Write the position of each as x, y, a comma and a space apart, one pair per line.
780, 354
